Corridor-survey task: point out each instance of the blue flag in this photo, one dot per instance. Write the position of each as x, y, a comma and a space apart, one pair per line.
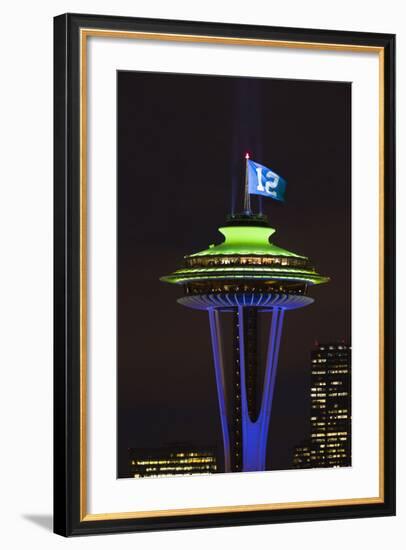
262, 181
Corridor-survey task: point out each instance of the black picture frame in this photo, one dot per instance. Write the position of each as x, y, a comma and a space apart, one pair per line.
68, 519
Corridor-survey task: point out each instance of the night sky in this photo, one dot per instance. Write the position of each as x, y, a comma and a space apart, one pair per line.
180, 146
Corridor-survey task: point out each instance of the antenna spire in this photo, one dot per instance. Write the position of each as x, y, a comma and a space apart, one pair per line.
247, 201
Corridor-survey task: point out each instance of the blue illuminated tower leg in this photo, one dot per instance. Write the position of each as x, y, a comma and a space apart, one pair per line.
275, 334
255, 434
220, 382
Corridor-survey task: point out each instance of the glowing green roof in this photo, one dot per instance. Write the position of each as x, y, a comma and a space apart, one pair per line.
232, 259
246, 240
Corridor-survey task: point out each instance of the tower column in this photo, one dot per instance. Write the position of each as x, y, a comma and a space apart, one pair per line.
275, 333
220, 382
255, 434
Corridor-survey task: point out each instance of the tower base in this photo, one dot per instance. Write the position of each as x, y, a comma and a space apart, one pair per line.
254, 431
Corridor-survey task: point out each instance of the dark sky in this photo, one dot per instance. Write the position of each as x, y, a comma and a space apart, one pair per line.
181, 141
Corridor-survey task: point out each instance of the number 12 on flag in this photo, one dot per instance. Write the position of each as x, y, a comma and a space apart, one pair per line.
263, 181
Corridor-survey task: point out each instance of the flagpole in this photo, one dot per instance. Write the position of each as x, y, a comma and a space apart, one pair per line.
260, 205
247, 202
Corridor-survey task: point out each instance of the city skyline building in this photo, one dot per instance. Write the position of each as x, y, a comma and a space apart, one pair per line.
247, 276
329, 444
172, 460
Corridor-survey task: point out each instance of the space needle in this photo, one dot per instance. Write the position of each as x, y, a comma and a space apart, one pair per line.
250, 278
